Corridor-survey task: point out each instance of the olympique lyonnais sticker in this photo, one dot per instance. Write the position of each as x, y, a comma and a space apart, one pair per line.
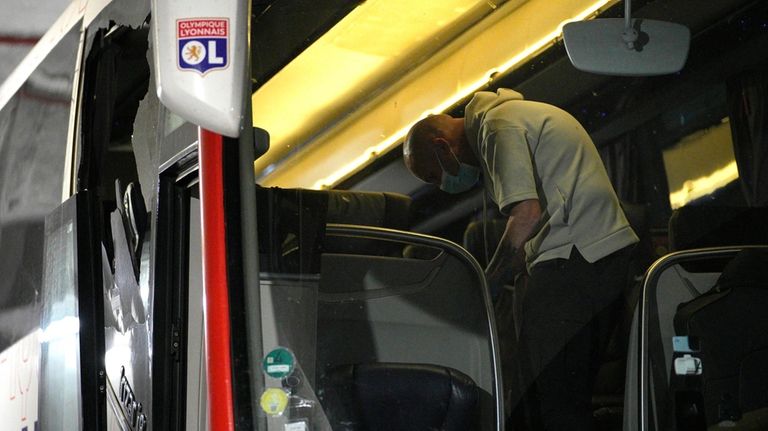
203, 43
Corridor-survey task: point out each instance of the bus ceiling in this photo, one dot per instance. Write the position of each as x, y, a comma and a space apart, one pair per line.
298, 23
356, 95
347, 99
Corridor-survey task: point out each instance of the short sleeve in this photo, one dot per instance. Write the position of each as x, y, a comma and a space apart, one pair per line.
510, 166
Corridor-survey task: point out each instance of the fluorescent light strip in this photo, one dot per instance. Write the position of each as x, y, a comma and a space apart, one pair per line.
393, 140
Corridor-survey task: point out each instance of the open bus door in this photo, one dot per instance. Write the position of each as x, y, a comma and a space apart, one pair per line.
133, 249
297, 332
309, 325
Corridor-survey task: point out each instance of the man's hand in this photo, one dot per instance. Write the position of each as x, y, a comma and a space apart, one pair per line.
496, 283
509, 258
508, 265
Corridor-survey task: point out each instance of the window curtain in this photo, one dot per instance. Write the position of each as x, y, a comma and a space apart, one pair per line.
636, 170
621, 162
748, 110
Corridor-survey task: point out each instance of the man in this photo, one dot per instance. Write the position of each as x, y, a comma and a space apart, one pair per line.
565, 227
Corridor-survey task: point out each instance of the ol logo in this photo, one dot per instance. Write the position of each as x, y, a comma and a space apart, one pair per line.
203, 43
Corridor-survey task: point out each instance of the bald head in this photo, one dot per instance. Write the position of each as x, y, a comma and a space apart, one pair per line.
433, 138
424, 131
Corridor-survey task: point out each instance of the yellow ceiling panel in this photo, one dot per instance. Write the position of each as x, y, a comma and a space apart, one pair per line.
372, 93
364, 53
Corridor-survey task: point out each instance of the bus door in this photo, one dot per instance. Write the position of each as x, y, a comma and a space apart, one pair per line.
133, 159
353, 320
208, 327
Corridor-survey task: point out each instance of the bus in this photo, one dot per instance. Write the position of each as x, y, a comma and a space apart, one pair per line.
206, 222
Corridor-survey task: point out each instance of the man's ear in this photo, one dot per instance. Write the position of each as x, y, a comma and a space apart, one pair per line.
442, 147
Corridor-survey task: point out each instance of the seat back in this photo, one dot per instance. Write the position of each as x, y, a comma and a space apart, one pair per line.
386, 309
713, 226
404, 397
292, 225
716, 335
729, 326
341, 295
476, 234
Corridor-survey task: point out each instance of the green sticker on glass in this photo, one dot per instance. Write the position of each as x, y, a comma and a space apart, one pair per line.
278, 363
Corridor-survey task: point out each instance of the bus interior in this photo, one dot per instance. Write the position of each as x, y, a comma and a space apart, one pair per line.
368, 279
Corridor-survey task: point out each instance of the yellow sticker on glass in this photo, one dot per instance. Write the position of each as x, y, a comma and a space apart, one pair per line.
274, 401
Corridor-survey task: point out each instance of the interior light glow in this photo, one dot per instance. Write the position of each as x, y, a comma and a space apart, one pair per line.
394, 139
702, 186
466, 64
348, 63
700, 163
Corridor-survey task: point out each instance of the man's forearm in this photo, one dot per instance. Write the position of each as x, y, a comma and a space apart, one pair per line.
509, 258
505, 263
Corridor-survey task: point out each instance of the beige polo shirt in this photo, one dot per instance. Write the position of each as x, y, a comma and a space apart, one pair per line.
531, 150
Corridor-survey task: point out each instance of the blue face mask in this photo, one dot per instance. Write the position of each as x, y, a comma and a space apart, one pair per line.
467, 177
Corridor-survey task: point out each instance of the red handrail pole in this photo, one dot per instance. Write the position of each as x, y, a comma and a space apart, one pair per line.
215, 286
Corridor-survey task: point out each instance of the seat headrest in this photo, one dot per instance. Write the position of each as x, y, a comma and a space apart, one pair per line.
390, 210
748, 268
712, 226
293, 223
404, 397
474, 240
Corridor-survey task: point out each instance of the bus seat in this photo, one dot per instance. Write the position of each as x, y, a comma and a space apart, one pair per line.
390, 210
375, 309
731, 326
377, 209
711, 226
474, 240
404, 397
378, 308
292, 232
715, 298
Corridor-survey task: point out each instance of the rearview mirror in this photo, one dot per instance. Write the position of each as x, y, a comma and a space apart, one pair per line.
609, 47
